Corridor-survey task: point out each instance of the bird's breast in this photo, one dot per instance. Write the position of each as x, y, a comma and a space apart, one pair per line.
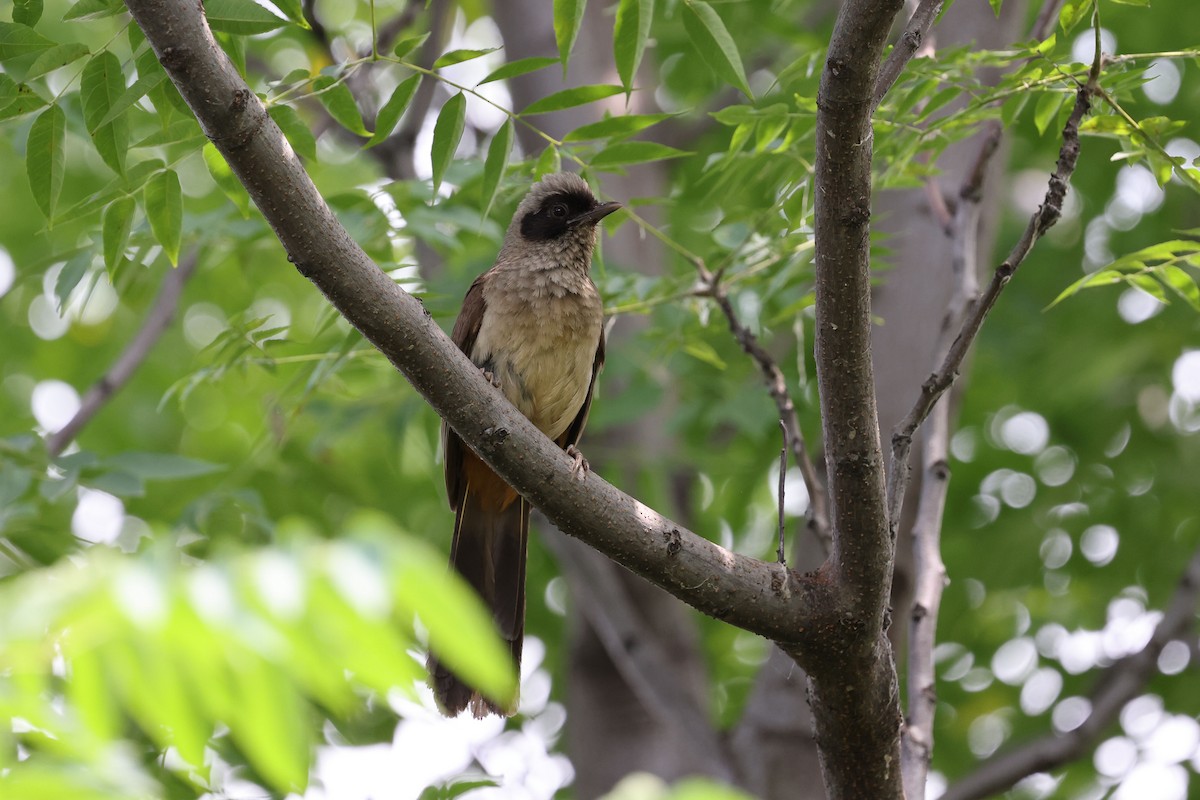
541, 350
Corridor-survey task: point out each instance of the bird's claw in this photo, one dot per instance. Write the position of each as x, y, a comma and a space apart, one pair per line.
581, 466
491, 377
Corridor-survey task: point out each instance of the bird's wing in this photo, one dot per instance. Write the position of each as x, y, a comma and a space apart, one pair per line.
466, 328
575, 430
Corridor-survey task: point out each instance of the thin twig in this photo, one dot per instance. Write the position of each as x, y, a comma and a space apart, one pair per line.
1041, 221
818, 516
1116, 686
783, 460
908, 45
131, 358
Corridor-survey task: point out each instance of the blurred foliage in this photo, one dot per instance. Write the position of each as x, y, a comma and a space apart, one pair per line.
260, 412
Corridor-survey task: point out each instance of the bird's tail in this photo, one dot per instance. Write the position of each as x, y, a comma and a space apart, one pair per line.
489, 551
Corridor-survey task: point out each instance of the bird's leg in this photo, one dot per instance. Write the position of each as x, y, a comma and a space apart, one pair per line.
581, 466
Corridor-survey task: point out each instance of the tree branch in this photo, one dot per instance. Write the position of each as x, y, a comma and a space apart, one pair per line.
909, 44
157, 320
743, 591
1117, 685
1041, 221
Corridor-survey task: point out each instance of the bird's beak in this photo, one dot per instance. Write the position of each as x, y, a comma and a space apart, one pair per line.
595, 215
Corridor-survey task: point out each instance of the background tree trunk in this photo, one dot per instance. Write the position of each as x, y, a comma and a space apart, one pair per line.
617, 720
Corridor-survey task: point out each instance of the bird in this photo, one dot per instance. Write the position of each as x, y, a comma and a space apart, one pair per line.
534, 324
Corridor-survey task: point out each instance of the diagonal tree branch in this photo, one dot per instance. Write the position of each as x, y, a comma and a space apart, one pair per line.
103, 390
1041, 221
743, 591
909, 45
1117, 685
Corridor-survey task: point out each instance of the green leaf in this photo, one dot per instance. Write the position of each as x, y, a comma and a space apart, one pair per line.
44, 158
493, 167
1103, 277
137, 175
1106, 125
163, 202
1072, 12
297, 133
240, 17
447, 132
633, 153
69, 277
459, 56
615, 127
630, 32
56, 57
1180, 282
938, 100
140, 88
406, 46
181, 130
568, 17
339, 102
521, 66
549, 162
270, 725
294, 11
393, 109
115, 225
1046, 109
9, 91
14, 481
710, 36
703, 351
996, 7
27, 12
100, 88
93, 9
219, 169
1148, 285
90, 693
27, 102
160, 466
18, 40
569, 98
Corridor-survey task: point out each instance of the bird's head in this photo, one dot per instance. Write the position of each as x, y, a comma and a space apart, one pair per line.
560, 214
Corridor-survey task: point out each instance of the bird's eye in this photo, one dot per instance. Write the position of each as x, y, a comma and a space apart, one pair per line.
558, 210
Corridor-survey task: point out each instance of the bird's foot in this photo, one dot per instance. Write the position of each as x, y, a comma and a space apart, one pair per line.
581, 466
490, 376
